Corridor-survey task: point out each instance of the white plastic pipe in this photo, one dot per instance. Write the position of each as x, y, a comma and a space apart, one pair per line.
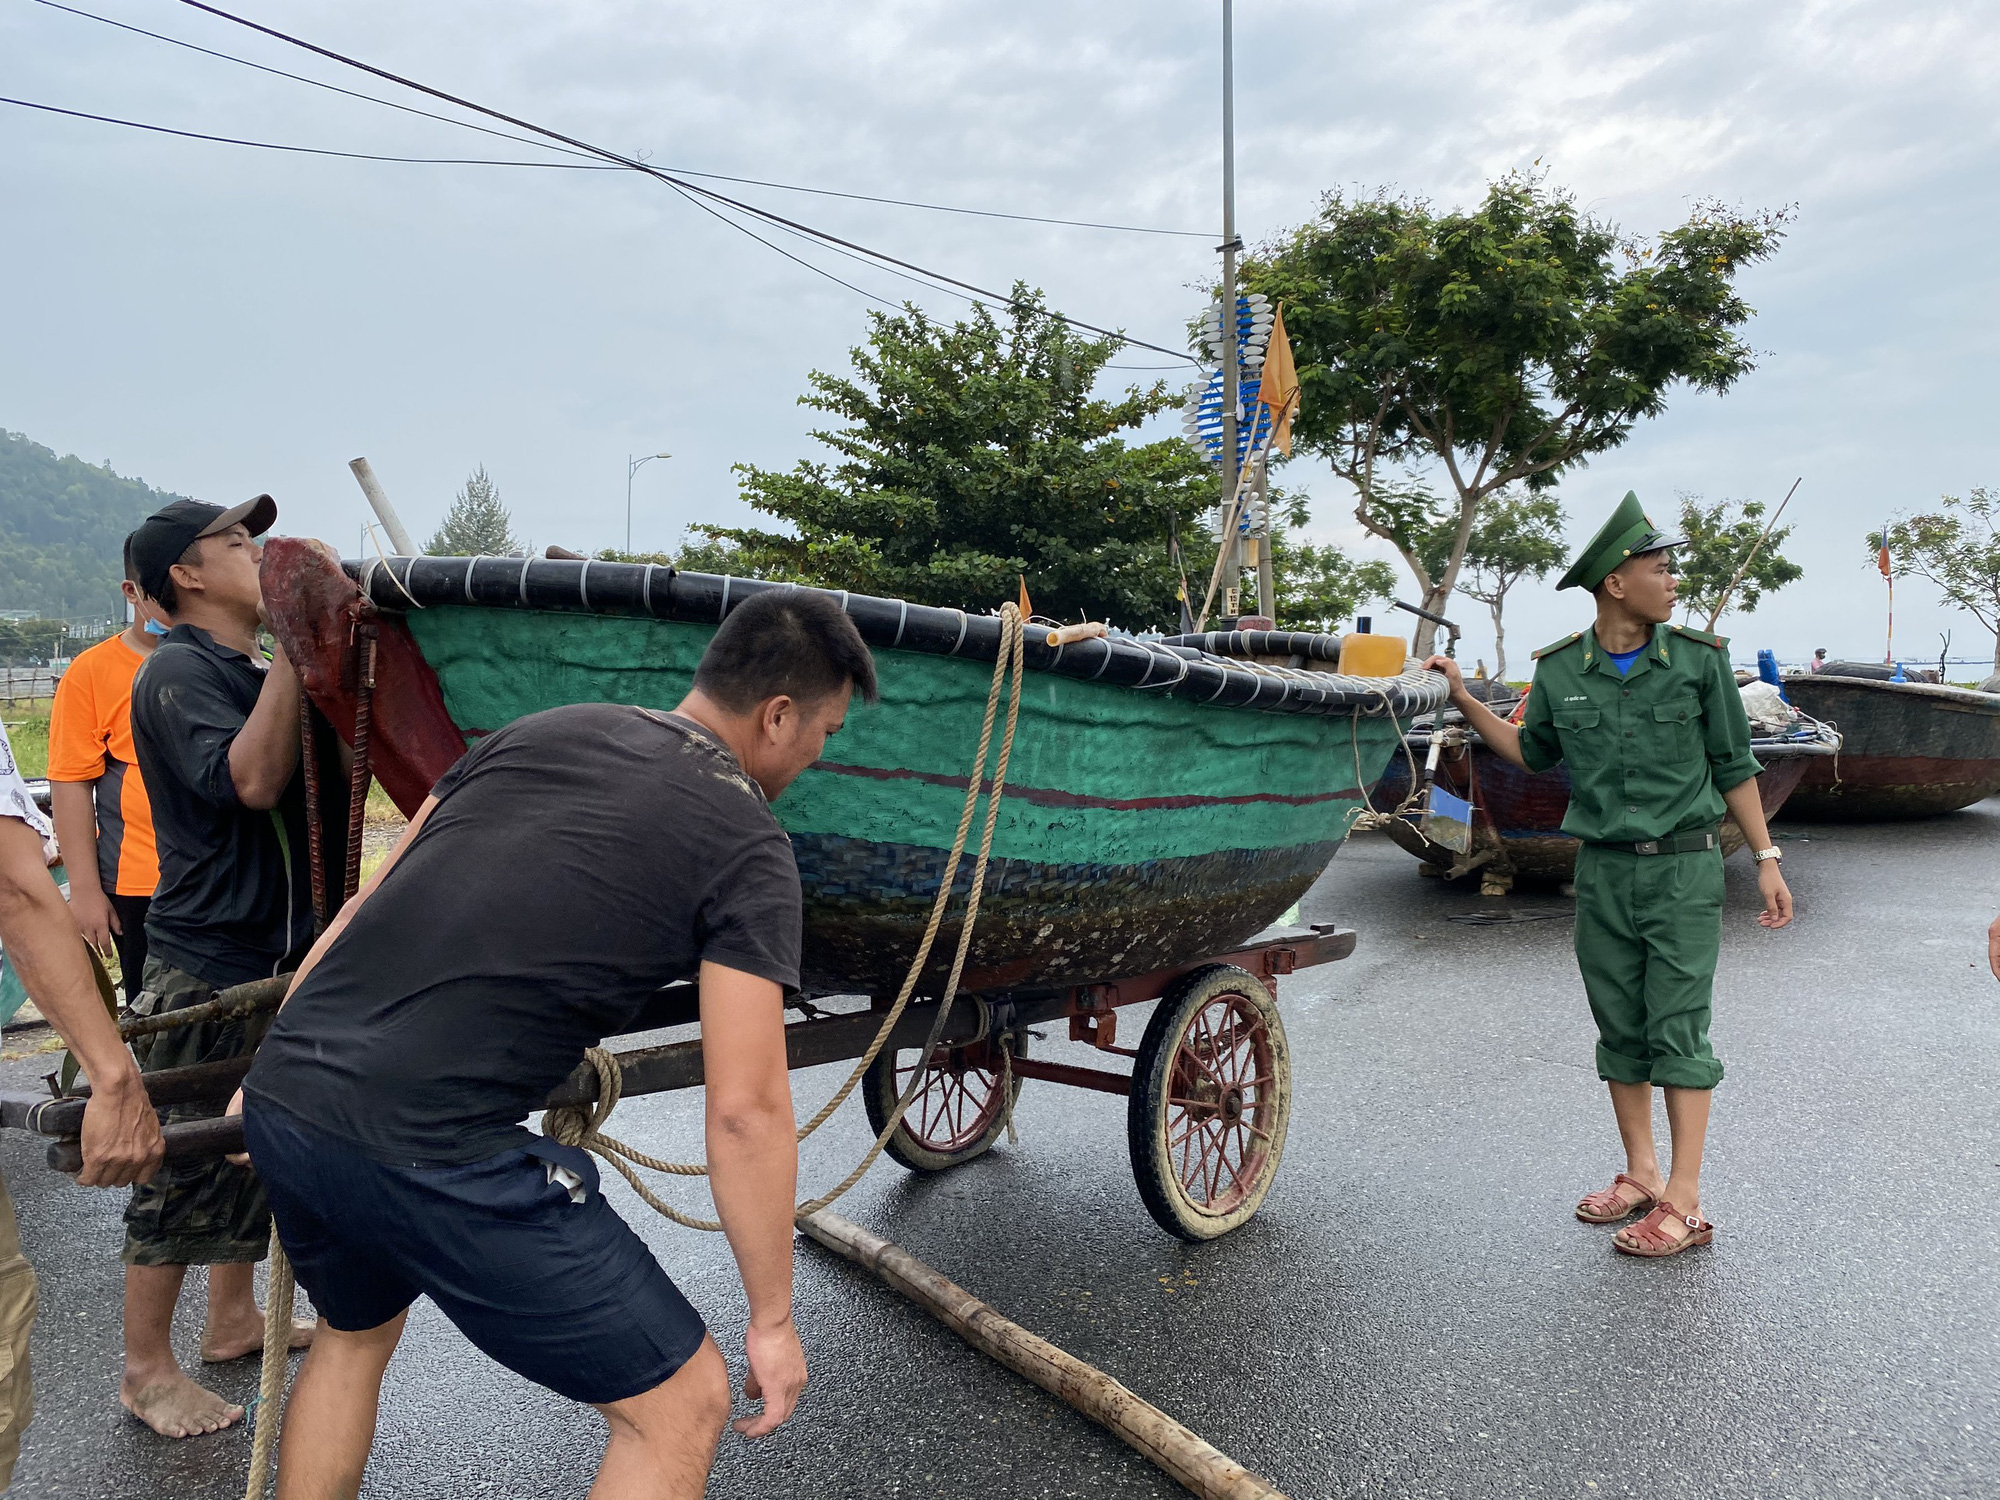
384, 511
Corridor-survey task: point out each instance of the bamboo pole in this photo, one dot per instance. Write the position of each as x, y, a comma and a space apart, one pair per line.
1201, 1468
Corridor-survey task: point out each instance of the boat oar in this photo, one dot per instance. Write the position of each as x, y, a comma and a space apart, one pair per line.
1202, 1468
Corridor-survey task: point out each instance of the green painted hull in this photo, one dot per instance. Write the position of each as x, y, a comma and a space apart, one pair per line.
1137, 830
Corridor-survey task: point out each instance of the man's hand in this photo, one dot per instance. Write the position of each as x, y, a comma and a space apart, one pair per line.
236, 1158
95, 917
121, 1134
1993, 947
1452, 675
1777, 895
777, 1376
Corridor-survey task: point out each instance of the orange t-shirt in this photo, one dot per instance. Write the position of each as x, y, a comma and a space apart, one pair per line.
90, 739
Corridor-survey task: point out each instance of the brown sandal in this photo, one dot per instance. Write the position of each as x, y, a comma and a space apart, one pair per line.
1606, 1206
1649, 1237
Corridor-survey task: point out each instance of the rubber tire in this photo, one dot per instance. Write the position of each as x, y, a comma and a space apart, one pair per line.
878, 1096
1147, 1110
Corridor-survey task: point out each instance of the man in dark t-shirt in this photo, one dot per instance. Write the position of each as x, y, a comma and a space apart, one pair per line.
215, 727
569, 866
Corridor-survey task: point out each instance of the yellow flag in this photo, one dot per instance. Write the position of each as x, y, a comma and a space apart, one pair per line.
1027, 609
1279, 389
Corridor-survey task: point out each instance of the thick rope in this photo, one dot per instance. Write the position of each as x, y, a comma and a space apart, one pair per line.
271, 1387
579, 1125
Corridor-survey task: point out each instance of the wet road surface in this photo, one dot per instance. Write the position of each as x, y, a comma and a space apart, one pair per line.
1414, 1313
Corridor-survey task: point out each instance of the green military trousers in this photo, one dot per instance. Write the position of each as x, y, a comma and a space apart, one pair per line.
1648, 932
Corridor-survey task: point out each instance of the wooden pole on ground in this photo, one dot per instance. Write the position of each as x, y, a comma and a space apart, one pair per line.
1203, 1469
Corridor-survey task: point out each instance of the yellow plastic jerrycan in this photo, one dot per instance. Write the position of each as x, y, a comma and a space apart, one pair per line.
1364, 654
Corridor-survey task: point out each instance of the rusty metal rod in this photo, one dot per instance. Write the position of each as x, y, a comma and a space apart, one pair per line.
1077, 1078
228, 1005
1198, 1465
195, 1140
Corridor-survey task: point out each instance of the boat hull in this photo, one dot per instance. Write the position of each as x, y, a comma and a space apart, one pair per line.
1908, 750
1138, 830
1524, 811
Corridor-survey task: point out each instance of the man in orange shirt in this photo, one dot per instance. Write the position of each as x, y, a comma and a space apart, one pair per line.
104, 823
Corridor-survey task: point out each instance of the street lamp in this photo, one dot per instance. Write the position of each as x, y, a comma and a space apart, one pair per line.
633, 466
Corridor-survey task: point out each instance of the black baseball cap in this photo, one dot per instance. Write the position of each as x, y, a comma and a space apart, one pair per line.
165, 535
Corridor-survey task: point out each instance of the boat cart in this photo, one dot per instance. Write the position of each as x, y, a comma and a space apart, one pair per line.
1209, 1090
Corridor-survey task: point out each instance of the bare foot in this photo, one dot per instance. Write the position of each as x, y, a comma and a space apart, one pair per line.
220, 1346
176, 1407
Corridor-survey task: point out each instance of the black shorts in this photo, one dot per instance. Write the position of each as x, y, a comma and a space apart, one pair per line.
562, 1292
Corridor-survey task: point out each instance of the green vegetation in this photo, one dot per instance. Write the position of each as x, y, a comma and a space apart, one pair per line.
1957, 548
1504, 345
30, 739
1519, 535
1719, 544
975, 453
477, 525
63, 524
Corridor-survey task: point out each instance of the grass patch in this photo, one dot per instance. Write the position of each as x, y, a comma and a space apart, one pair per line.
29, 735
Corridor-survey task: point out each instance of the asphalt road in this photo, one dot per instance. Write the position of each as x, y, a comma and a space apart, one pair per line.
1414, 1313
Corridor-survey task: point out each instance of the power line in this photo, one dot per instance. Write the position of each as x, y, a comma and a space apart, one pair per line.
332, 88
231, 140
763, 214
789, 187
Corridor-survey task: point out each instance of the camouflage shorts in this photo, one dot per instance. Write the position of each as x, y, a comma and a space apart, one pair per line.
195, 1213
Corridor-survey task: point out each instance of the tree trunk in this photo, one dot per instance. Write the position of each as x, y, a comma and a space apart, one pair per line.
1996, 652
1499, 640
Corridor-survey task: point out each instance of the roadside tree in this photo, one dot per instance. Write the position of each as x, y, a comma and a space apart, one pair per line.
1720, 540
477, 525
1519, 535
1957, 548
1503, 346
974, 454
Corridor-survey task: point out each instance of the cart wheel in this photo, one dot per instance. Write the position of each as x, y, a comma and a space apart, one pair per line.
1211, 1097
956, 1115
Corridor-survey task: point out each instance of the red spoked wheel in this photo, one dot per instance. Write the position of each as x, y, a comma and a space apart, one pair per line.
1211, 1100
959, 1111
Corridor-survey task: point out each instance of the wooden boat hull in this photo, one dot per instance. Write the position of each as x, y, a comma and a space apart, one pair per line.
1908, 749
1522, 813
1139, 829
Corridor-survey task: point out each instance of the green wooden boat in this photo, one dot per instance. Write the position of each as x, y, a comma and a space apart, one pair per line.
1163, 803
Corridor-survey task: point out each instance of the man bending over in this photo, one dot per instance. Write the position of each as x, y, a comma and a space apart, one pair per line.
562, 872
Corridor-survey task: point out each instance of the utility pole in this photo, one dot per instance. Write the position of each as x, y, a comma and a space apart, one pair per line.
633, 466
1231, 371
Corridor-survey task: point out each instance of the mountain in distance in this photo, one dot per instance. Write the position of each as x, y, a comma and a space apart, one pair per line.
63, 524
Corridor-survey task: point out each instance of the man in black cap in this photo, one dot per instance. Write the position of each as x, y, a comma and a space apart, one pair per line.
216, 727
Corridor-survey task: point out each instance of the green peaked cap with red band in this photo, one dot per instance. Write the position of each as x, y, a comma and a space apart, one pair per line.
1628, 533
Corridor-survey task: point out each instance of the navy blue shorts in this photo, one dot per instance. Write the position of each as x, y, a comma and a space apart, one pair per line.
559, 1291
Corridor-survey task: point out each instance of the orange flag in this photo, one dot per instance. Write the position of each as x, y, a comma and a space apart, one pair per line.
1882, 555
1027, 609
1279, 389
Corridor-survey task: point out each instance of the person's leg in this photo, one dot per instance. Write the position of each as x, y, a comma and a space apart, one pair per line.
130, 941
235, 1325
155, 1389
1612, 960
17, 1325
1687, 1121
1632, 1104
330, 1416
663, 1440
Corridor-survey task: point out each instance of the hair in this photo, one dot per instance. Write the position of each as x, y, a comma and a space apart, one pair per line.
169, 596
791, 642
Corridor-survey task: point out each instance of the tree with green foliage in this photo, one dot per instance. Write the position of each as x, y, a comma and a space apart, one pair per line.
1319, 587
477, 525
1519, 535
63, 524
1957, 548
1720, 540
697, 553
1505, 345
974, 454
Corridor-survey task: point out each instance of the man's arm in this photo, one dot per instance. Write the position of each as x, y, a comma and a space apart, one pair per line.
753, 1169
265, 752
1747, 808
1502, 738
74, 804
121, 1134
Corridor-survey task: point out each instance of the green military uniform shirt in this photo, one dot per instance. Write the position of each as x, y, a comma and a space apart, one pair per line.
1649, 753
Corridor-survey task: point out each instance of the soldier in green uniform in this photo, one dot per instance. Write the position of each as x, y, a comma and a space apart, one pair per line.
1648, 718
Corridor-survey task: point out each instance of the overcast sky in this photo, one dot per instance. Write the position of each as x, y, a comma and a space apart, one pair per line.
221, 321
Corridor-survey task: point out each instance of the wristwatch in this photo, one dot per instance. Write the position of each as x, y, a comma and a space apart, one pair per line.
1772, 853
